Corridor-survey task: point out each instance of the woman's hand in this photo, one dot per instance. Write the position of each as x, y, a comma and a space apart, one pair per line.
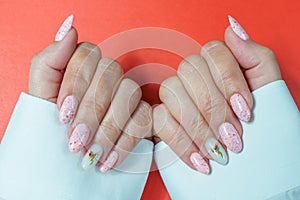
202, 104
104, 109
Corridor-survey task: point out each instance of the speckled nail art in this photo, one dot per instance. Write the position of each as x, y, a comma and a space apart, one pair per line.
238, 29
199, 163
92, 157
79, 138
216, 151
240, 107
64, 29
230, 137
68, 109
109, 162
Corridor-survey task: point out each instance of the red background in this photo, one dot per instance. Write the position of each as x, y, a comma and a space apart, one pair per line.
28, 26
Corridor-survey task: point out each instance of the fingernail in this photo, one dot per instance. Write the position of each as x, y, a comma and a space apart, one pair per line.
109, 162
216, 151
79, 138
91, 158
68, 109
199, 163
240, 107
64, 28
238, 29
230, 137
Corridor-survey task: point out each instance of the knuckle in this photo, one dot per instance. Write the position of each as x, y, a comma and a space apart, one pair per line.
228, 76
268, 54
111, 66
110, 129
187, 65
82, 79
197, 123
90, 48
94, 105
169, 81
213, 46
213, 105
132, 87
36, 60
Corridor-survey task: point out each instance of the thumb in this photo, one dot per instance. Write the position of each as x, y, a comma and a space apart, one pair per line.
258, 62
47, 67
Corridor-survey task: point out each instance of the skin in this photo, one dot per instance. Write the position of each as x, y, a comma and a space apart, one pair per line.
197, 100
108, 104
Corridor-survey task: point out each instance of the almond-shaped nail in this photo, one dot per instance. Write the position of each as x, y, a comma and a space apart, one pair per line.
68, 109
215, 149
230, 137
109, 162
64, 28
240, 107
91, 157
79, 138
199, 163
238, 29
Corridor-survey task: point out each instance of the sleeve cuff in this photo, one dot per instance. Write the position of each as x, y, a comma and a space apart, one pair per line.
268, 165
36, 164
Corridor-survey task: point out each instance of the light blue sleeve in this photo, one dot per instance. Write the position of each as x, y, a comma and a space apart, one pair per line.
35, 163
268, 165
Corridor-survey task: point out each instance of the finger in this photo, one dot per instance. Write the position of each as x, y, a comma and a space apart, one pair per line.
229, 78
122, 106
46, 71
258, 61
94, 103
77, 78
169, 130
183, 109
196, 78
138, 127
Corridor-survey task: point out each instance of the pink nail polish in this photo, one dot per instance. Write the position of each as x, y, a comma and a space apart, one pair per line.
64, 29
68, 109
79, 138
110, 162
199, 163
240, 107
238, 29
230, 137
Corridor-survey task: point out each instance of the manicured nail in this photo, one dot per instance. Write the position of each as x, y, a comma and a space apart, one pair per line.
240, 107
79, 138
238, 29
92, 157
64, 29
109, 162
230, 137
199, 163
68, 109
216, 151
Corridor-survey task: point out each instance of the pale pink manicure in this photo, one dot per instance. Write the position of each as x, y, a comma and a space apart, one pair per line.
64, 29
79, 138
240, 107
68, 109
199, 163
109, 162
230, 137
238, 29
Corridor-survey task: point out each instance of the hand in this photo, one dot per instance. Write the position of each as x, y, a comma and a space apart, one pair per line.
104, 109
203, 103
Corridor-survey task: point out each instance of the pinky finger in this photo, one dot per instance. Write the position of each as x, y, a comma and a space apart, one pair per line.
138, 127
